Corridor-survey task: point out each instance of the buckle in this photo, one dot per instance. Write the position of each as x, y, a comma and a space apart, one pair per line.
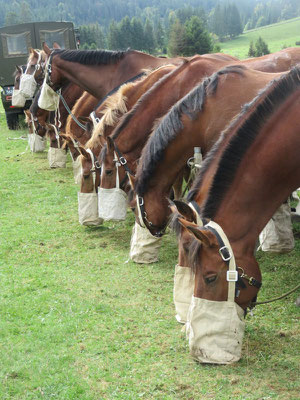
123, 160
225, 253
141, 201
232, 276
97, 164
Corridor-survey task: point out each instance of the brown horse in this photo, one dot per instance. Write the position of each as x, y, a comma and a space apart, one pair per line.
190, 123
131, 133
111, 111
82, 108
256, 161
98, 72
280, 61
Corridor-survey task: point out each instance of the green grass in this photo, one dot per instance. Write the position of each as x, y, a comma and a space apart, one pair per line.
277, 36
78, 322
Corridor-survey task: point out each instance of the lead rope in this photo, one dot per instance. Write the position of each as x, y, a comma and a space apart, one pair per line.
256, 303
70, 112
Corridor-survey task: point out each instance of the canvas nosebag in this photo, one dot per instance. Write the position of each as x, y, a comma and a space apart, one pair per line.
18, 99
277, 236
28, 85
49, 99
88, 203
57, 157
112, 203
36, 143
215, 329
184, 281
144, 247
77, 170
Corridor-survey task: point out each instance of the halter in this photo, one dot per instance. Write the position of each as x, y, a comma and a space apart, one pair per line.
234, 279
96, 167
144, 221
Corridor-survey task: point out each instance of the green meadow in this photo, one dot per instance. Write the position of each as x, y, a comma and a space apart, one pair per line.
277, 36
79, 321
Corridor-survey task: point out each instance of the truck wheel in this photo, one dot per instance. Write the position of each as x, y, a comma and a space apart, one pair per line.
12, 121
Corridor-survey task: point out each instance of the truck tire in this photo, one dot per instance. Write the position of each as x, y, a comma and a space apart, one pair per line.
12, 121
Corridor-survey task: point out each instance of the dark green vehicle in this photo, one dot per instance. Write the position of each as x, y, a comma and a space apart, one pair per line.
15, 42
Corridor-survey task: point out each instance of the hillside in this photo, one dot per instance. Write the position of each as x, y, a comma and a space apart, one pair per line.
277, 36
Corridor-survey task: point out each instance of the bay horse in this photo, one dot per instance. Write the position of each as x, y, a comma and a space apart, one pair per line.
20, 69
255, 162
111, 111
131, 134
195, 121
279, 61
98, 71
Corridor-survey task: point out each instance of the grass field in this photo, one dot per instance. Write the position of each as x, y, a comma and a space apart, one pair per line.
79, 322
277, 36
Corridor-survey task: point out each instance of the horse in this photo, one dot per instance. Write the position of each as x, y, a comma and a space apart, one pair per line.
20, 69
255, 162
153, 106
195, 121
82, 108
111, 111
130, 135
280, 61
98, 71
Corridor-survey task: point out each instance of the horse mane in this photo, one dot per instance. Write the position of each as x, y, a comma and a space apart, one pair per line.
113, 107
83, 98
91, 57
171, 124
245, 131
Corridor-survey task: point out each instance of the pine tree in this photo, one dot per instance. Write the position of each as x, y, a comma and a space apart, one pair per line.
261, 47
125, 37
177, 39
113, 36
159, 35
149, 42
137, 34
251, 51
198, 40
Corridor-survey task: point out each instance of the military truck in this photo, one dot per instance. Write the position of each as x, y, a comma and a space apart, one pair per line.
15, 41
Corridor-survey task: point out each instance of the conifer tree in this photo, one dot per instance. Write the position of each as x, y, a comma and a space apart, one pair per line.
198, 40
177, 39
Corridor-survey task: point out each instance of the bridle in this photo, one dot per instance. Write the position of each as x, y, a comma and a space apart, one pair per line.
96, 169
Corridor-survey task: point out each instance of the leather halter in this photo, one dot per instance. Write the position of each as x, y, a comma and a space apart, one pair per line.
96, 168
235, 280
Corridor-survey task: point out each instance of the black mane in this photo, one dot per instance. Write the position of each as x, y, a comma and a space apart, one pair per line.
264, 105
171, 125
91, 57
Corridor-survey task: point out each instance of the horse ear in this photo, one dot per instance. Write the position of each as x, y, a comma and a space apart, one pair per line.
110, 144
186, 211
84, 153
46, 49
206, 237
36, 54
19, 69
56, 45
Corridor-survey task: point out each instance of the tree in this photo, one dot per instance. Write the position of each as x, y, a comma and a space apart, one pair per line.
251, 51
125, 33
25, 12
198, 40
149, 42
137, 34
159, 35
233, 21
113, 36
177, 39
261, 47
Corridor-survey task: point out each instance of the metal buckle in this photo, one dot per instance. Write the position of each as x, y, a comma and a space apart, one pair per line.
123, 160
224, 258
232, 276
251, 281
141, 201
97, 164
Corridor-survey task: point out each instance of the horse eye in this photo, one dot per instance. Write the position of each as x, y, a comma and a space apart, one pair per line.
210, 279
109, 172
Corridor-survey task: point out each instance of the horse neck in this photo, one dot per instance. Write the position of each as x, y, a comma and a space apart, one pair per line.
156, 103
267, 174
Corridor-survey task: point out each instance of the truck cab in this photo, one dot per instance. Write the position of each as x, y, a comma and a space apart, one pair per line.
15, 41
